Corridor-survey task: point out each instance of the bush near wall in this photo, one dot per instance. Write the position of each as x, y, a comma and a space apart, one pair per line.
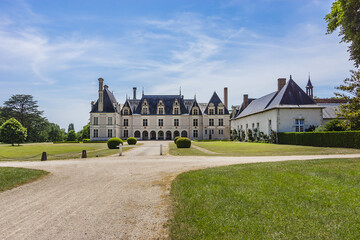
176, 138
113, 143
346, 139
131, 141
183, 142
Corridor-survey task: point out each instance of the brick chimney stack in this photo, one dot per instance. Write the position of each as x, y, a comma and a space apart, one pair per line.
101, 95
134, 93
226, 97
246, 100
281, 83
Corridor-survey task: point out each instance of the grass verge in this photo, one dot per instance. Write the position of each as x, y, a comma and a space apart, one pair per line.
265, 149
12, 177
173, 150
316, 199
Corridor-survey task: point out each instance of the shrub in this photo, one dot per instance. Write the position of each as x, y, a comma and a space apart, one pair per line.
113, 143
131, 141
250, 136
86, 140
183, 142
176, 138
12, 132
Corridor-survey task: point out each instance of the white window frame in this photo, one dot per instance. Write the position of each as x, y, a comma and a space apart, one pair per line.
299, 125
96, 133
109, 122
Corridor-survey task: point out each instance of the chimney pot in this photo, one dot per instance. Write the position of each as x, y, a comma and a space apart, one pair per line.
134, 93
226, 97
246, 100
281, 83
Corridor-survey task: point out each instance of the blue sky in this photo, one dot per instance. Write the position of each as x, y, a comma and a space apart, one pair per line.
56, 50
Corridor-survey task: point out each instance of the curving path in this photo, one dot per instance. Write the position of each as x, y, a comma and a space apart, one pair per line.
103, 198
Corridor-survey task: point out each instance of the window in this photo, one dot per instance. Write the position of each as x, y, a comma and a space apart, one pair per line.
126, 112
221, 131
176, 111
161, 122
126, 133
161, 111
221, 122
109, 133
253, 126
220, 111
211, 122
195, 111
126, 122
96, 121
109, 120
137, 134
299, 125
96, 133
211, 111
195, 133
145, 110
205, 132
145, 122
176, 122
160, 108
195, 122
211, 131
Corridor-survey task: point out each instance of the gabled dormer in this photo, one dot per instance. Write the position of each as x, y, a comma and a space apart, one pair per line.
195, 109
216, 106
145, 108
176, 108
126, 110
160, 110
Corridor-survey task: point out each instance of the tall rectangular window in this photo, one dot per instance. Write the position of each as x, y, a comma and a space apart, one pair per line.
211, 111
195, 133
126, 122
109, 120
220, 111
195, 122
145, 122
221, 131
161, 122
96, 133
299, 125
161, 111
176, 111
211, 122
96, 121
126, 133
176, 122
110, 133
221, 122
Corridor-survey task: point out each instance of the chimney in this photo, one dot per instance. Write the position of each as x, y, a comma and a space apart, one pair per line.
281, 83
101, 95
134, 93
246, 100
226, 97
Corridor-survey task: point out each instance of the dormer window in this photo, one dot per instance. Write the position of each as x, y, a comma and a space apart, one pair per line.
145, 108
211, 109
160, 108
176, 107
126, 111
195, 111
220, 109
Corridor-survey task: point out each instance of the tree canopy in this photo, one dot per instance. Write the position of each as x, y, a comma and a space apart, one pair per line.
345, 15
12, 132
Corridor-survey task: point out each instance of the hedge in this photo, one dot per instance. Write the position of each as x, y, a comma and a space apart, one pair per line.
66, 142
176, 138
345, 139
131, 141
113, 143
183, 142
86, 140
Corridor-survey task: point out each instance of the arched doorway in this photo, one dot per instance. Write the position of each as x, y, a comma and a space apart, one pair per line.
160, 135
145, 135
153, 135
137, 134
168, 135
176, 134
184, 133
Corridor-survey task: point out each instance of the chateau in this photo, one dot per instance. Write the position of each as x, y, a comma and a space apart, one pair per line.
158, 117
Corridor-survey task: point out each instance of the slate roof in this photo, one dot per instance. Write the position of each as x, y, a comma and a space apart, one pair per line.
309, 84
290, 96
168, 101
330, 110
109, 102
215, 100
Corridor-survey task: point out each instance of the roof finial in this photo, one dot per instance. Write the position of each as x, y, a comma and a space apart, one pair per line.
290, 77
180, 91
142, 91
195, 96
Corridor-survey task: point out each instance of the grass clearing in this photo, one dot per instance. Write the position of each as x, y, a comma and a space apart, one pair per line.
12, 177
238, 149
316, 199
32, 152
173, 150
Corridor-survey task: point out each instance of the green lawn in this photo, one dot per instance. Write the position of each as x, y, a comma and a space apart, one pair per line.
173, 150
55, 151
266, 149
317, 199
13, 177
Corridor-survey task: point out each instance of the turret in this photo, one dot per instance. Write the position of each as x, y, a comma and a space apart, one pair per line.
309, 89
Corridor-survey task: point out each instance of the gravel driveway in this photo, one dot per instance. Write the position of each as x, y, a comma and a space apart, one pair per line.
103, 198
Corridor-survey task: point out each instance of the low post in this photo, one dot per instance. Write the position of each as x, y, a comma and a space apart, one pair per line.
43, 156
160, 149
120, 150
83, 154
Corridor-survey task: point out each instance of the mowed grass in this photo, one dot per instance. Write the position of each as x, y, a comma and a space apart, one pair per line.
317, 199
173, 150
266, 149
12, 177
55, 151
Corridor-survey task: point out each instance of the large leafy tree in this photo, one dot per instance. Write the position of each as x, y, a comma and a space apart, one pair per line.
71, 136
13, 132
351, 110
55, 133
84, 133
71, 127
345, 15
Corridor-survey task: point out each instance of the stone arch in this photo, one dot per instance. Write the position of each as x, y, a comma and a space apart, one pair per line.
176, 134
184, 133
168, 135
160, 135
145, 135
137, 134
153, 135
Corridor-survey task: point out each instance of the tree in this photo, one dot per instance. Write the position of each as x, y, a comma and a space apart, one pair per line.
55, 133
345, 15
71, 136
84, 133
71, 127
351, 110
13, 132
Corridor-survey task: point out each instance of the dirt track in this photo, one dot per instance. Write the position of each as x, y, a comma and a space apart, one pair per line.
103, 198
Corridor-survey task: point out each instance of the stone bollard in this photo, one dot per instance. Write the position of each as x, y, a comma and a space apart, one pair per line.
83, 154
160, 149
120, 150
43, 156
